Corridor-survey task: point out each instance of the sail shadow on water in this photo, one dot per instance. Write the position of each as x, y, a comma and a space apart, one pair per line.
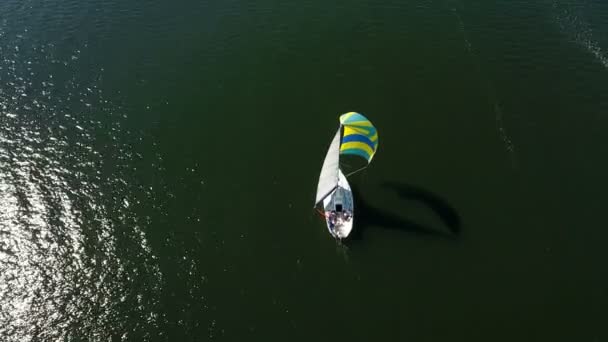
448, 215
370, 216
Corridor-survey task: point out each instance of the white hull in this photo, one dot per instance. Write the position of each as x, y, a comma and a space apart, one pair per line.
341, 203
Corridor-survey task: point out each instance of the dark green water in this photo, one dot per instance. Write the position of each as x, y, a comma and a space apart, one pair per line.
159, 160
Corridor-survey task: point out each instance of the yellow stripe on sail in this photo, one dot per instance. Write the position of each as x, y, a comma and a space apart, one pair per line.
374, 138
348, 130
357, 145
359, 124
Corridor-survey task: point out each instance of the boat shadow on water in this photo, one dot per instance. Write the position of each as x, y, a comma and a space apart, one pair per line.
368, 216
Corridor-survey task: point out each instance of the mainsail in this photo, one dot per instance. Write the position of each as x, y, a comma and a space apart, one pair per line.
328, 180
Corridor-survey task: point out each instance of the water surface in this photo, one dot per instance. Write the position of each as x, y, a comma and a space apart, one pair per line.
158, 163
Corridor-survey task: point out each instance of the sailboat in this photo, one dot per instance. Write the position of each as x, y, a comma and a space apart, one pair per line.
356, 139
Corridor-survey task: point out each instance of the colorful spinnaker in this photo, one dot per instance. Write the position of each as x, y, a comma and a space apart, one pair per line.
359, 136
356, 136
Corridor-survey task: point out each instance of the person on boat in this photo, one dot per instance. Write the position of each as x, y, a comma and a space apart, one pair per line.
332, 218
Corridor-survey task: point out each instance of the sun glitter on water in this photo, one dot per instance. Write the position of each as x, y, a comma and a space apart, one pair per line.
71, 244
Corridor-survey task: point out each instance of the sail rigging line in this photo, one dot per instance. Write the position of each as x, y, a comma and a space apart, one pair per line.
321, 213
357, 170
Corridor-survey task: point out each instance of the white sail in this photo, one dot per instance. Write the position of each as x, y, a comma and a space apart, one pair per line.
328, 180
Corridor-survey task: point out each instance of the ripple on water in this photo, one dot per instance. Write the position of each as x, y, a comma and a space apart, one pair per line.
573, 19
74, 258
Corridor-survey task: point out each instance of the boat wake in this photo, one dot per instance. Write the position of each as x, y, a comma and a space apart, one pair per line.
573, 21
491, 92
